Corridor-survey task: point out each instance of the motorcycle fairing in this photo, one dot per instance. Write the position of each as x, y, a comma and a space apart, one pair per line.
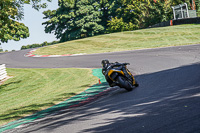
114, 73
130, 75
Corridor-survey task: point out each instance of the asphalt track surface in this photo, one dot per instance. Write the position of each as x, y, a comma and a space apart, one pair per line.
167, 101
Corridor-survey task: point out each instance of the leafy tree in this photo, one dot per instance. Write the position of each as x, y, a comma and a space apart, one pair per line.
23, 47
44, 43
82, 18
74, 19
118, 25
39, 45
157, 12
141, 14
108, 10
11, 11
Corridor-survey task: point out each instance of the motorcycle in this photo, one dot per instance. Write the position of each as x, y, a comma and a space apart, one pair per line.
117, 74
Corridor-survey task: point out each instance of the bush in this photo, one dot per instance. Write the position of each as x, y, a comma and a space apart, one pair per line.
39, 45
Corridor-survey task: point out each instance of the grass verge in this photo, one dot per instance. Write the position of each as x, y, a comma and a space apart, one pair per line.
129, 40
32, 90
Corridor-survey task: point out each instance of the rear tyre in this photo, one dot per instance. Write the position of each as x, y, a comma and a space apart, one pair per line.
123, 83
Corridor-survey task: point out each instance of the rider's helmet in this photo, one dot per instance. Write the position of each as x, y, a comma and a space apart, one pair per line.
104, 63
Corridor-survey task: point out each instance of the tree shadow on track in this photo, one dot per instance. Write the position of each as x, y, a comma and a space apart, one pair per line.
74, 101
19, 112
166, 101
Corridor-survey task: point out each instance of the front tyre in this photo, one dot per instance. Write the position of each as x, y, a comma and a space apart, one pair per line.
136, 84
123, 83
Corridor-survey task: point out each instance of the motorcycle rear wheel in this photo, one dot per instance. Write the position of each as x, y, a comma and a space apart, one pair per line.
123, 83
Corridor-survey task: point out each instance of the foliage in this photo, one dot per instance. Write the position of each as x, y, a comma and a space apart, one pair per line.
118, 25
108, 10
74, 19
142, 14
197, 2
39, 45
11, 11
83, 18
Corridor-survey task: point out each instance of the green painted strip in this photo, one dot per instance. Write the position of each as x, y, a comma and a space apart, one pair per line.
94, 90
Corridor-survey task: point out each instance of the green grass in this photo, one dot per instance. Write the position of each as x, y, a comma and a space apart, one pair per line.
130, 40
32, 90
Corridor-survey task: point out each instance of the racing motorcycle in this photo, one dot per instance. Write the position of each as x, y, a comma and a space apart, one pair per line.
117, 74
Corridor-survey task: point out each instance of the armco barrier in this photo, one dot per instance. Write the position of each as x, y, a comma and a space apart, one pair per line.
178, 22
163, 24
3, 73
187, 21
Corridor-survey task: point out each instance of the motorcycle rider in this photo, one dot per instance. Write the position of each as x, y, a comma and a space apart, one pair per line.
106, 66
122, 76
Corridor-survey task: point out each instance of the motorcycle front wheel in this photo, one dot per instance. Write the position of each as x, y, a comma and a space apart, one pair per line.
136, 84
123, 83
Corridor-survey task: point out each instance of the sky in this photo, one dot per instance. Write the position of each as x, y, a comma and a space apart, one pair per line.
33, 19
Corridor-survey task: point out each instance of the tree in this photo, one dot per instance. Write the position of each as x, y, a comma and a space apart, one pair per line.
141, 14
11, 11
83, 18
118, 25
108, 10
74, 19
